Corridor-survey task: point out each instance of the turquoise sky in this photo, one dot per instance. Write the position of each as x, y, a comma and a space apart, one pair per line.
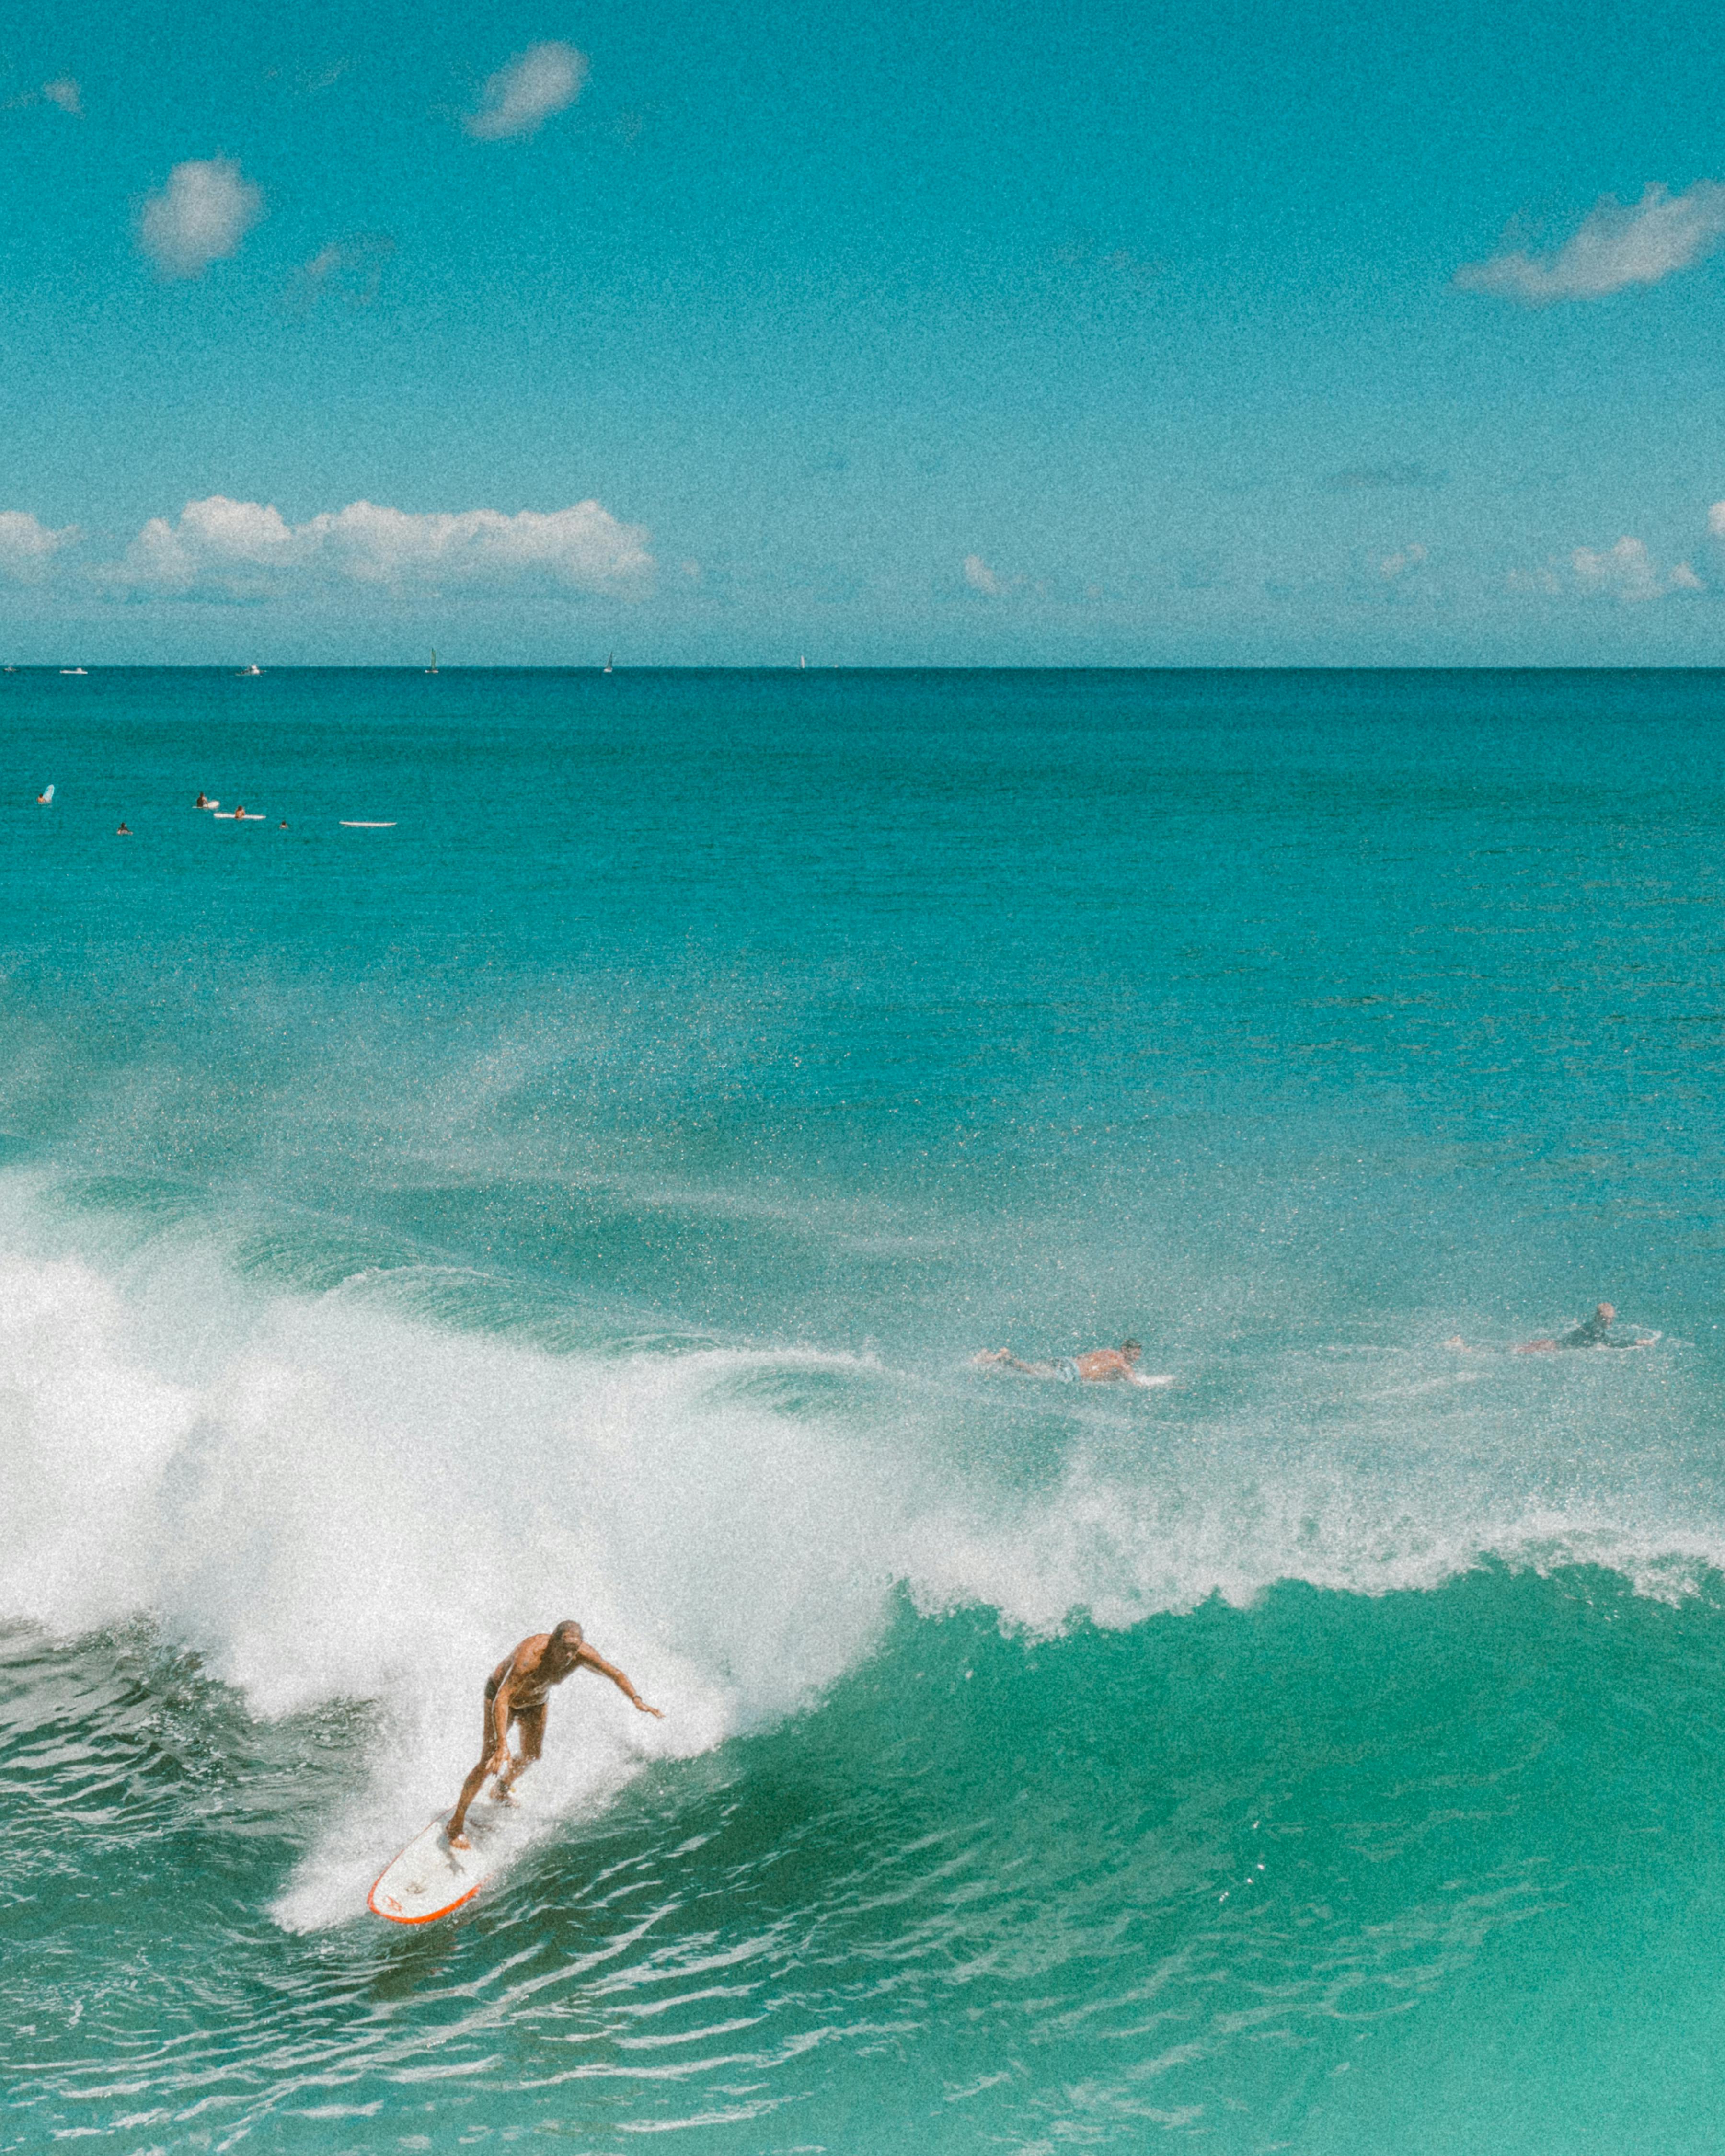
1227, 333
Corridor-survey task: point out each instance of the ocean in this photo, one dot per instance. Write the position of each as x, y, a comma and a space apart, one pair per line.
584, 1196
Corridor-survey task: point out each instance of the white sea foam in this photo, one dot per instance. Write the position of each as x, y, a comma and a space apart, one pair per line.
328, 1499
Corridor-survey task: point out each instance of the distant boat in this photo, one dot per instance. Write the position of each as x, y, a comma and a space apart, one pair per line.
246, 672
609, 667
802, 664
75, 669
432, 669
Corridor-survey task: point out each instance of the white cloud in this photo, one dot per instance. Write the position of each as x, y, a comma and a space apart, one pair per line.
1615, 246
1396, 565
536, 84
247, 549
200, 216
981, 577
351, 269
1716, 519
28, 548
1629, 572
63, 92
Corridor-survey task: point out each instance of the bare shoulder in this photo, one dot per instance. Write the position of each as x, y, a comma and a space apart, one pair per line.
527, 1656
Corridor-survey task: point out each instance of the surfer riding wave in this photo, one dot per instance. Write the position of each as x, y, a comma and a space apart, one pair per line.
517, 1690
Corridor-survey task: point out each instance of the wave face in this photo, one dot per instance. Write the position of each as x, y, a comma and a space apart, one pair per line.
585, 1198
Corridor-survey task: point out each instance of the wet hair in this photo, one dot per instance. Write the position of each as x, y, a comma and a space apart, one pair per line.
1131, 1346
569, 1632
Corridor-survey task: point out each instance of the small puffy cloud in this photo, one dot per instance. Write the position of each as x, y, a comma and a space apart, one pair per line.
1716, 519
1629, 572
214, 541
1395, 567
28, 548
349, 269
1641, 243
63, 92
1625, 570
247, 549
200, 216
981, 577
536, 84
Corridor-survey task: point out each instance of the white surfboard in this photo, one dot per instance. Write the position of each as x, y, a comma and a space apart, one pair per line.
348, 824
429, 1879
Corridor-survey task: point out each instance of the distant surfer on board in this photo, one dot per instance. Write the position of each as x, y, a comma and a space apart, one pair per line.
1594, 1332
516, 1691
1100, 1366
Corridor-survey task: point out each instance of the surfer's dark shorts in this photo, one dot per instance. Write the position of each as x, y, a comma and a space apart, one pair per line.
515, 1713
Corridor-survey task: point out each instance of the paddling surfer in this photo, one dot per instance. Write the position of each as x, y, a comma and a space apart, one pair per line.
1594, 1332
1100, 1366
516, 1691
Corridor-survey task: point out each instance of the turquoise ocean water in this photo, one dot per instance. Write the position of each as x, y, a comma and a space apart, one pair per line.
582, 1199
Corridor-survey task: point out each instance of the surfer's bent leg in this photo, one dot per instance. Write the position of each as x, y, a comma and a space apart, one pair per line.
469, 1789
493, 1758
532, 1725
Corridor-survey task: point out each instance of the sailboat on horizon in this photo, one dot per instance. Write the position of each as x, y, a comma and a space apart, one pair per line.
432, 669
610, 662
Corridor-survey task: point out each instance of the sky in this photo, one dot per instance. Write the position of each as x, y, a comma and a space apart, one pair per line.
1224, 334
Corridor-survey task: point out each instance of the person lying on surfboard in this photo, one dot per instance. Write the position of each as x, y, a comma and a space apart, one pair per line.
1100, 1366
516, 1691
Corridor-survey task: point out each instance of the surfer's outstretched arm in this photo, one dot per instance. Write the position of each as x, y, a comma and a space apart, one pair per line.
594, 1661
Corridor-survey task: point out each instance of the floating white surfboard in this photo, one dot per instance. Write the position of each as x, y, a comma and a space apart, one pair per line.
348, 824
429, 1879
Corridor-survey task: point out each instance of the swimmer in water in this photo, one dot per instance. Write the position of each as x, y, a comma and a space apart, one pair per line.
203, 801
124, 832
516, 1691
1100, 1366
1594, 1332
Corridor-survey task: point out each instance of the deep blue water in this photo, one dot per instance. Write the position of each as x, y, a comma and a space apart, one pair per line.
584, 1196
